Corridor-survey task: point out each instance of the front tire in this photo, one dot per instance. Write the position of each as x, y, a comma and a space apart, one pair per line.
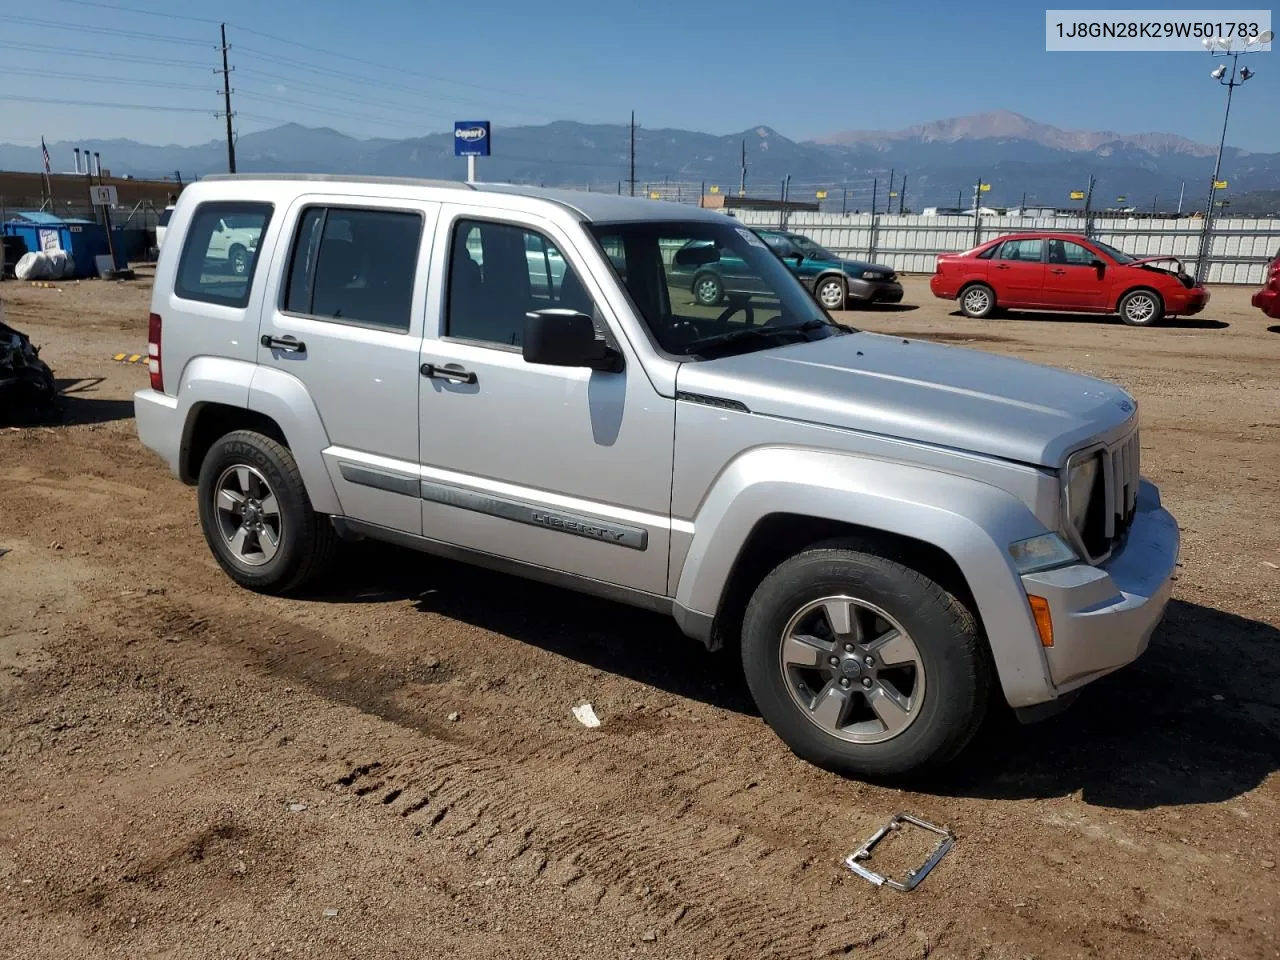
708, 290
864, 666
832, 293
977, 301
1141, 308
238, 258
256, 516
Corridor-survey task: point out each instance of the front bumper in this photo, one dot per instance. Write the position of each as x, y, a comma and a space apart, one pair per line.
875, 291
1268, 301
1195, 302
159, 424
1103, 616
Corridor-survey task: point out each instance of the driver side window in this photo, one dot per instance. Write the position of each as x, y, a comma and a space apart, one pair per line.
498, 272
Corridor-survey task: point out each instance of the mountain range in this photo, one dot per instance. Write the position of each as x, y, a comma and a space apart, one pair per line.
942, 160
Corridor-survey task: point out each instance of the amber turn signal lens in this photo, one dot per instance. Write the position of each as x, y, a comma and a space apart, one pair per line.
1044, 622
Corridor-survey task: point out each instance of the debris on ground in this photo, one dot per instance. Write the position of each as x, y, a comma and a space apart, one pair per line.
331, 911
297, 807
853, 861
25, 379
586, 715
453, 717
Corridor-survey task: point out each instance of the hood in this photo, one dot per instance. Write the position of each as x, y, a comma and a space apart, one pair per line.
926, 392
856, 267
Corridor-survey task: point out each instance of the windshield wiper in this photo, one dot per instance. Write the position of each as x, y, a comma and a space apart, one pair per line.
754, 333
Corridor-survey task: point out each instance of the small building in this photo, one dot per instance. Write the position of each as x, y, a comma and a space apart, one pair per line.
727, 203
81, 239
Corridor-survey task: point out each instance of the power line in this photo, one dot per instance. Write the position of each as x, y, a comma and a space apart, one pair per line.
120, 8
94, 55
100, 103
97, 79
106, 31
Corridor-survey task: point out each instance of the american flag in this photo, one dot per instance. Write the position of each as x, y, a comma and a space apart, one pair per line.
45, 151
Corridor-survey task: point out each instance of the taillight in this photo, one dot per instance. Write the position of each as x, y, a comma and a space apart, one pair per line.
153, 352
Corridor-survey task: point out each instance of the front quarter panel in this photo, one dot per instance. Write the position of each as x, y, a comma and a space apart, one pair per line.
971, 521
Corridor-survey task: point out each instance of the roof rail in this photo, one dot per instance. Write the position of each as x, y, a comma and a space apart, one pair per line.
342, 178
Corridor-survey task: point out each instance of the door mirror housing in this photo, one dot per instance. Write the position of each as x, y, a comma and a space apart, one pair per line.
1098, 264
559, 337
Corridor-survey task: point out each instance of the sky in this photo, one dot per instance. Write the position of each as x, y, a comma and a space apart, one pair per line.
399, 68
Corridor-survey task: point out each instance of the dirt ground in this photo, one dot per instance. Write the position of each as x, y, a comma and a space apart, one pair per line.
191, 770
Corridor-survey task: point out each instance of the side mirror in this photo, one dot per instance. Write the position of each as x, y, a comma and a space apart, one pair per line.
795, 255
559, 337
1098, 264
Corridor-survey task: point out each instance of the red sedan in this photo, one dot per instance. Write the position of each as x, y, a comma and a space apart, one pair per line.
1268, 298
1065, 272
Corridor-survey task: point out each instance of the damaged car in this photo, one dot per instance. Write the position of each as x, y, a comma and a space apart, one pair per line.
26, 381
1066, 273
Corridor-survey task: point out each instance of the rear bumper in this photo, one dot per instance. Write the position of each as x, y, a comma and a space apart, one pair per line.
875, 291
159, 425
1268, 301
940, 287
1103, 617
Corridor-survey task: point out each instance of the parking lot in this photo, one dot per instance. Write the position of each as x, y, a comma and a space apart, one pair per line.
389, 767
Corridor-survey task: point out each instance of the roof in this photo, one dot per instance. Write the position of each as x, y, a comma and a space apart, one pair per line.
597, 207
42, 219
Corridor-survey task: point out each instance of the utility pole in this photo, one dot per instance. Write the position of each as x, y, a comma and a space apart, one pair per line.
875, 184
844, 200
1088, 207
742, 181
902, 194
1154, 201
632, 179
888, 204
226, 103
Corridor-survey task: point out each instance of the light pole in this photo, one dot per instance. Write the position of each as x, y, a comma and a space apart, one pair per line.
1222, 47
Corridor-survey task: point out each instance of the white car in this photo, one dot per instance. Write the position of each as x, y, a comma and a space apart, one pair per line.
162, 224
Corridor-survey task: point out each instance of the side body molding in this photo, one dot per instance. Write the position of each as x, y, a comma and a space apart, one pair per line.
972, 522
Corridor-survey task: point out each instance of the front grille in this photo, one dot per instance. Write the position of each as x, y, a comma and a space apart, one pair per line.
1115, 498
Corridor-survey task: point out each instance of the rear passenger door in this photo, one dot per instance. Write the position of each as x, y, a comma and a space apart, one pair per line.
1017, 273
342, 330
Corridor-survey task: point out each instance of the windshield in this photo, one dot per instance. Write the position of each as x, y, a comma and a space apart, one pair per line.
705, 289
1113, 253
810, 249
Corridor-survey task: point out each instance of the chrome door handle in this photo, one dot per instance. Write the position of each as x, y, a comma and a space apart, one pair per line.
1057, 270
1002, 266
287, 344
450, 371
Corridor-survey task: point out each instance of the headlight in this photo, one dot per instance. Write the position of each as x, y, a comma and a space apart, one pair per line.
873, 275
1080, 483
1041, 553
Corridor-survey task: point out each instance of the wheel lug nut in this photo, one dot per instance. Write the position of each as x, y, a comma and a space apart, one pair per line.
848, 648
869, 661
845, 682
866, 682
834, 661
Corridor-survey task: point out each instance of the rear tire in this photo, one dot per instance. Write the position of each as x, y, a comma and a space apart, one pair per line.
977, 301
257, 518
917, 637
238, 260
1141, 308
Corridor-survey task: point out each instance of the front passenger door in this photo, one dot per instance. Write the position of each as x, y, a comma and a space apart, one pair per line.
563, 468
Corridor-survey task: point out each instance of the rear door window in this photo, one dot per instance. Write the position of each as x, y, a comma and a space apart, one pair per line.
1022, 251
355, 265
218, 260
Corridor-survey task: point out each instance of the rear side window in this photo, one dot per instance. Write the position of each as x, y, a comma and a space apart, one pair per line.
355, 266
1026, 251
220, 252
163, 219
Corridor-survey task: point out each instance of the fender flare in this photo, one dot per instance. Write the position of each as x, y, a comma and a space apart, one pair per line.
272, 393
971, 521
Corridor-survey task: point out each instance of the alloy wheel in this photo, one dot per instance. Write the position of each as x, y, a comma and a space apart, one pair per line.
248, 515
852, 670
